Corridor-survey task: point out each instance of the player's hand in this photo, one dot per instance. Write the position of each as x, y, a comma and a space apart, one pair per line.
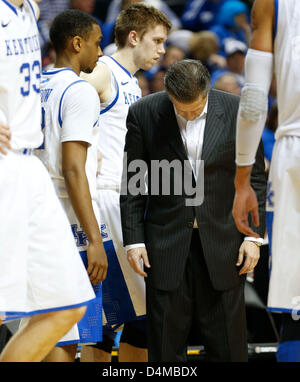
245, 201
249, 252
97, 262
5, 137
134, 256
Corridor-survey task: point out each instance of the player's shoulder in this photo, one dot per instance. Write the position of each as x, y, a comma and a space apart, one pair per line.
83, 92
152, 105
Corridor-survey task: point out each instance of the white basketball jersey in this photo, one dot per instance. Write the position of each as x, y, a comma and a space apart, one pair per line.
125, 91
287, 66
20, 68
70, 112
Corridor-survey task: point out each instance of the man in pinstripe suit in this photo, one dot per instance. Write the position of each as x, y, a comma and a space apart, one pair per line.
195, 259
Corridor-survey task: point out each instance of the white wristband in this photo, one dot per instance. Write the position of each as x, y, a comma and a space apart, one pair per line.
254, 239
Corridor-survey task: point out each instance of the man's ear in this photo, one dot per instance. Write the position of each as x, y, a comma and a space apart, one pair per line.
77, 43
133, 38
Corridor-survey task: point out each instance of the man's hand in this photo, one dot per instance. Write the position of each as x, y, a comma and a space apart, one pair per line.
97, 262
134, 256
5, 137
249, 252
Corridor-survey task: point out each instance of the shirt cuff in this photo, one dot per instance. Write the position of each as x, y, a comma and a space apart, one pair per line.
131, 246
255, 239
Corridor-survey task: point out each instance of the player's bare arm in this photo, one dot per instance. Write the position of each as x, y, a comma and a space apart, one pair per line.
100, 78
73, 165
258, 70
262, 25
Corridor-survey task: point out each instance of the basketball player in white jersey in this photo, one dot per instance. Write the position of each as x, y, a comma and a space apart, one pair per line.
70, 114
140, 33
275, 46
41, 274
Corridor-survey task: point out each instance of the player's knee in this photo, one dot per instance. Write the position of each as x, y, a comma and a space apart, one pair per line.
69, 317
78, 313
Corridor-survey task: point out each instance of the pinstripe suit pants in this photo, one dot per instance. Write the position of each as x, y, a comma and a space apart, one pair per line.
218, 318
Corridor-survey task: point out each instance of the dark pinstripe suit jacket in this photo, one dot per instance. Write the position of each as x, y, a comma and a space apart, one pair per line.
164, 223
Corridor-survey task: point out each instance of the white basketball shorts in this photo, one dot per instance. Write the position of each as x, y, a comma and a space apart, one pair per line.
40, 269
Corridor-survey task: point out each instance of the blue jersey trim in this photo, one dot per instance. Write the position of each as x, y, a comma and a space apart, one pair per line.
269, 223
121, 66
283, 310
276, 17
28, 1
16, 315
71, 342
113, 102
50, 72
10, 6
60, 102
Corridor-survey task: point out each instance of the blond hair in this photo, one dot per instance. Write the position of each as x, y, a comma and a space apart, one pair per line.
139, 17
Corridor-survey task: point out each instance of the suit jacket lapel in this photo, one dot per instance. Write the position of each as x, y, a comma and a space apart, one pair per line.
213, 127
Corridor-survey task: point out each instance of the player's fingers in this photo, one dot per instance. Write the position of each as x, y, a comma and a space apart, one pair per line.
240, 258
243, 226
146, 260
2, 150
247, 266
92, 272
101, 275
255, 217
136, 265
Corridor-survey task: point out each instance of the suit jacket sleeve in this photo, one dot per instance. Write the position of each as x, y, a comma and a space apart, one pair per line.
259, 184
132, 201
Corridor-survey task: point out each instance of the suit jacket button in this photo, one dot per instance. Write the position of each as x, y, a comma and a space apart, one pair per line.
190, 224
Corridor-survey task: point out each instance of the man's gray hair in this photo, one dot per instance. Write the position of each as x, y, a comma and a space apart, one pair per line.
186, 80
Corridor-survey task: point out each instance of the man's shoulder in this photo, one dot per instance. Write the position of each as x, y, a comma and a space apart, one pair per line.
225, 96
156, 101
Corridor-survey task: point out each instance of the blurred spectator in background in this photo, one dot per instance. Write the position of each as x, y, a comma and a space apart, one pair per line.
173, 54
115, 8
157, 81
201, 46
235, 60
200, 14
87, 6
232, 23
48, 10
143, 82
228, 83
49, 56
109, 26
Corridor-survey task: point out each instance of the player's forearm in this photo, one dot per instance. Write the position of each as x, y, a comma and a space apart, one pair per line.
79, 193
242, 177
